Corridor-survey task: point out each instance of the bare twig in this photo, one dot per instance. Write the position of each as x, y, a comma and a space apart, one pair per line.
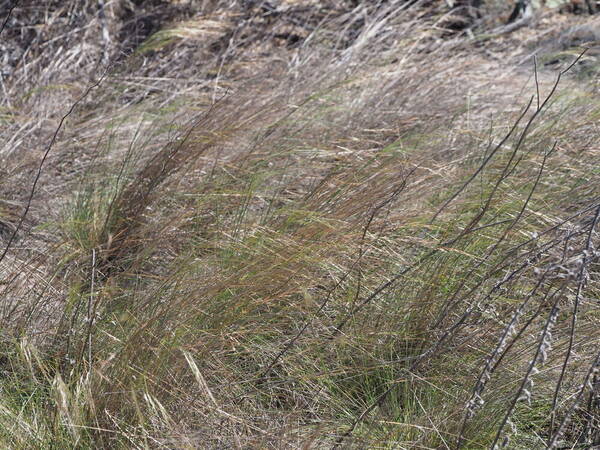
581, 281
44, 157
14, 5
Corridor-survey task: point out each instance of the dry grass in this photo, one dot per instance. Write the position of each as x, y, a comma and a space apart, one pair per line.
342, 227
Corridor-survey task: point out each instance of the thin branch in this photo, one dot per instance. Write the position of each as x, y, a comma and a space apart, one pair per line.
41, 166
581, 282
537, 84
8, 15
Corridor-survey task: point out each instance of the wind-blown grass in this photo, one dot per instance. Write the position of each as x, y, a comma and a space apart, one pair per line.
340, 252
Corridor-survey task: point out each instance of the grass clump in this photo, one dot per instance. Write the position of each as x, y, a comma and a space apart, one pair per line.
336, 252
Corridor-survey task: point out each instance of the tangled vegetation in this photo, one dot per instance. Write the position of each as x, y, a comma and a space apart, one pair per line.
298, 224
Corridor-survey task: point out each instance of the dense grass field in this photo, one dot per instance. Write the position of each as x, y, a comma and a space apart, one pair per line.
298, 225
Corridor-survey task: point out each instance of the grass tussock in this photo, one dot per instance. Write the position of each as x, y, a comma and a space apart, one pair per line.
343, 234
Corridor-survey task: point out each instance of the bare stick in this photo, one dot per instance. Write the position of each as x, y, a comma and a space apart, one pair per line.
8, 16
41, 166
581, 282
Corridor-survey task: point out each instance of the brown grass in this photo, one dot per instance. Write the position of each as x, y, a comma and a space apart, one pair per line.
295, 227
